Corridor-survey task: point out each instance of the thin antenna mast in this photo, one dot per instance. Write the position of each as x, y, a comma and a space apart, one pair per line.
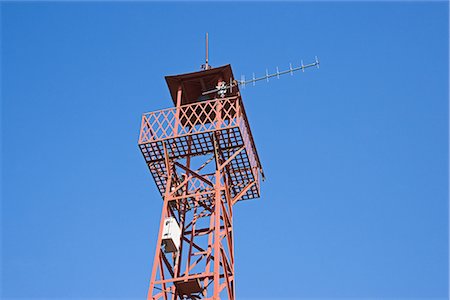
206, 65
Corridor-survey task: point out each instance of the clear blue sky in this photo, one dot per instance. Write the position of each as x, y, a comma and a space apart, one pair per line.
356, 153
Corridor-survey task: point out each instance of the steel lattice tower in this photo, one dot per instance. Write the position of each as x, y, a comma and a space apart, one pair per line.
203, 159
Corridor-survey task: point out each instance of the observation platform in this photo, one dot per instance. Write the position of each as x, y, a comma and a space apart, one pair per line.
189, 130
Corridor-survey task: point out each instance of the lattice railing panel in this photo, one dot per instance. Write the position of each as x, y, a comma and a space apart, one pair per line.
189, 119
157, 125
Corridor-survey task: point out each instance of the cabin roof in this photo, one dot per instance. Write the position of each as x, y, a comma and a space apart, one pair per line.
195, 83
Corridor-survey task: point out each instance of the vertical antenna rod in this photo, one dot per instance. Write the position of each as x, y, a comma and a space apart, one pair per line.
206, 63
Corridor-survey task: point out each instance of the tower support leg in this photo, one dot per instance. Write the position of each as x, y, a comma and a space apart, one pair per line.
202, 207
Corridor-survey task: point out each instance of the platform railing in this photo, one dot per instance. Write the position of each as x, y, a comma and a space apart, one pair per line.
248, 143
190, 119
200, 117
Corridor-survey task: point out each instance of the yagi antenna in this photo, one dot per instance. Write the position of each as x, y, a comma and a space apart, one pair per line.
291, 70
223, 87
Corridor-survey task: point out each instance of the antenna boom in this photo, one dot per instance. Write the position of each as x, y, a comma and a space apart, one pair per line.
221, 89
277, 74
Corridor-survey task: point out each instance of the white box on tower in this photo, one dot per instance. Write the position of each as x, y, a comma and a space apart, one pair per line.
171, 235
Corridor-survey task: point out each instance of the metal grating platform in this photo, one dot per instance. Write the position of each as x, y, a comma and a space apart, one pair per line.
230, 140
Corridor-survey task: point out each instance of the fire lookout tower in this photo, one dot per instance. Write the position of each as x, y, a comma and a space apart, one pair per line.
203, 159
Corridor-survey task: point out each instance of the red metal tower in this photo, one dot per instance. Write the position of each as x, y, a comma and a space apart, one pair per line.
203, 159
